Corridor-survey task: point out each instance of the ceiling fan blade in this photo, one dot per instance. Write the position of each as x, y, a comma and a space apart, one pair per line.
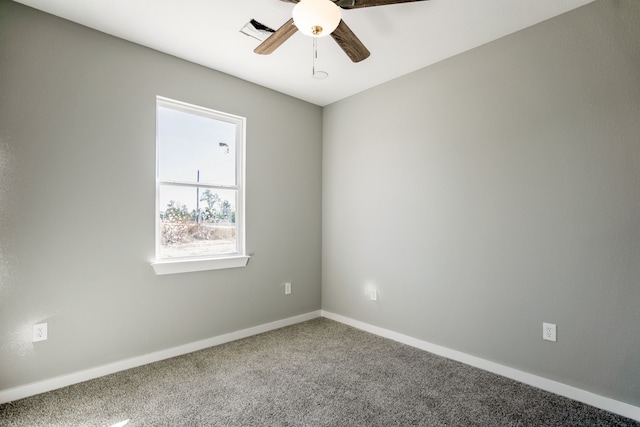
276, 39
351, 44
355, 4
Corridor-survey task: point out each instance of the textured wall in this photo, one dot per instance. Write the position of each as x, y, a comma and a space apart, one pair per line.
495, 191
77, 197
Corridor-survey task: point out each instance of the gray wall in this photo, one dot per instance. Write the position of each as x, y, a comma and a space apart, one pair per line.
495, 191
481, 196
77, 195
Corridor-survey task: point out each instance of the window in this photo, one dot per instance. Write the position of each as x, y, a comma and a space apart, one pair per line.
199, 189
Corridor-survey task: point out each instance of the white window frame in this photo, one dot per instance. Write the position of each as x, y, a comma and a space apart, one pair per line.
211, 262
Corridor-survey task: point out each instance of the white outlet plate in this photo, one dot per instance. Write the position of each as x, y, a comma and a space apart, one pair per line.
40, 332
374, 295
287, 288
549, 332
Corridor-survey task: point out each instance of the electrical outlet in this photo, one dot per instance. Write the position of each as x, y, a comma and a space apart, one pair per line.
39, 332
549, 332
287, 288
374, 295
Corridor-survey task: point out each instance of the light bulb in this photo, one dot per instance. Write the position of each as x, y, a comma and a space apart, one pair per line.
316, 18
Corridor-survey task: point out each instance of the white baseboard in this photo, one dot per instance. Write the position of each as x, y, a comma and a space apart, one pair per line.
561, 389
32, 389
608, 404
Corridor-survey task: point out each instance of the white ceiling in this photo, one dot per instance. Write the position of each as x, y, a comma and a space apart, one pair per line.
402, 38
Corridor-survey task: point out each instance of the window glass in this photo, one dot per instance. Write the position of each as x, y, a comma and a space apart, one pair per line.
199, 211
192, 148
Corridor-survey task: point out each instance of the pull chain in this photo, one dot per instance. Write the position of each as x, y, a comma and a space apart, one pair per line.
317, 74
315, 55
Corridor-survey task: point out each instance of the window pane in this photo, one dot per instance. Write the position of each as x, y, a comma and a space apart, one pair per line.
195, 148
197, 221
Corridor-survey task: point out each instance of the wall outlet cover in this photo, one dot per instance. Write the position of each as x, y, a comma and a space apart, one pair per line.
39, 332
549, 332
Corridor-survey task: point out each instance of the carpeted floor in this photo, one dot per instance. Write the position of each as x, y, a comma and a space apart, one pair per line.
317, 373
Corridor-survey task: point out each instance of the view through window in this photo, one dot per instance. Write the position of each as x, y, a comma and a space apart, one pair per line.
199, 208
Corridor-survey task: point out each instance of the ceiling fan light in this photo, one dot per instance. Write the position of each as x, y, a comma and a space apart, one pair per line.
316, 18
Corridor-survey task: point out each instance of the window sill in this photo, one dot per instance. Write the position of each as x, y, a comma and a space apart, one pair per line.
192, 265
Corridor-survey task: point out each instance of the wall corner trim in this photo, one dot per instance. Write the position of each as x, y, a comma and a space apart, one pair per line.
602, 402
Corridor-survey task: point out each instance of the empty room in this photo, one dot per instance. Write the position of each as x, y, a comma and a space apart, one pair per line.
320, 213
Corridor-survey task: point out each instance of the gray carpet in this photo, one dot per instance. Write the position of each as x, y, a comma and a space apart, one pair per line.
317, 373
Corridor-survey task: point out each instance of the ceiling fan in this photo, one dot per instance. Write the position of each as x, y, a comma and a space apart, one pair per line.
318, 18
